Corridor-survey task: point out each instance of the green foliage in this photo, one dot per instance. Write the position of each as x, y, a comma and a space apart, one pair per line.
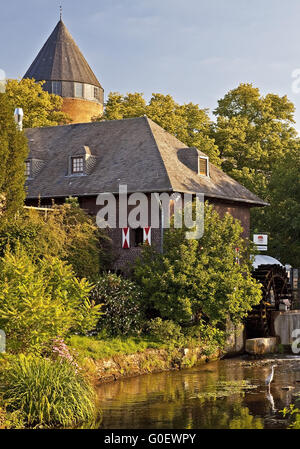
282, 218
164, 330
67, 232
13, 152
40, 300
293, 414
121, 299
47, 393
208, 337
101, 347
40, 108
253, 132
187, 122
200, 279
260, 148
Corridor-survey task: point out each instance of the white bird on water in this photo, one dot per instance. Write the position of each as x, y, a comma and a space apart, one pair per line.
270, 377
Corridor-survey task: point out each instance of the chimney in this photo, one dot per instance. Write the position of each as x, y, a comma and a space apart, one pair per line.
19, 118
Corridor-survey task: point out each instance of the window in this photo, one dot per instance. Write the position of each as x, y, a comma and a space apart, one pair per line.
27, 169
138, 236
79, 90
56, 87
88, 92
77, 164
203, 167
96, 93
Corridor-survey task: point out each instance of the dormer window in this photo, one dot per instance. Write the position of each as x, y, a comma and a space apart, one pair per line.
77, 164
81, 162
203, 166
27, 169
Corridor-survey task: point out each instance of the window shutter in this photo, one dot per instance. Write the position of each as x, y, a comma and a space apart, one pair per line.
147, 235
125, 238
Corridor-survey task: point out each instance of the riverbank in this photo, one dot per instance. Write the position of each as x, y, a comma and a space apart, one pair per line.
78, 368
146, 359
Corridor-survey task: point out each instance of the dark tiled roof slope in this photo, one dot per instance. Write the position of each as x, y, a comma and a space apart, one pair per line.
136, 152
61, 60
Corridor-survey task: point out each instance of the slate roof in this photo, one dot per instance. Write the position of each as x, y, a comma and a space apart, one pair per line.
61, 60
136, 152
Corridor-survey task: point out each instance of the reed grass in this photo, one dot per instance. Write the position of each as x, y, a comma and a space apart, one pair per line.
47, 393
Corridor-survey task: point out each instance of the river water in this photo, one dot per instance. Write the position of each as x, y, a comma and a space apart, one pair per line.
227, 394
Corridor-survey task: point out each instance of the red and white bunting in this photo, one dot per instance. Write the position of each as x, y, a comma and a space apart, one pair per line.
147, 235
125, 238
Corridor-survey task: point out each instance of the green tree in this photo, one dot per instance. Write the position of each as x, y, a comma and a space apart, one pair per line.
41, 299
13, 152
253, 132
187, 122
282, 218
200, 279
67, 232
40, 108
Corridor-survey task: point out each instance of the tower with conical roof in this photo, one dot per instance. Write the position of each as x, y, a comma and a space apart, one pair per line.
62, 65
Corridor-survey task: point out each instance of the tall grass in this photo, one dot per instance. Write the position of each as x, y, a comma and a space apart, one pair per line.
47, 393
97, 348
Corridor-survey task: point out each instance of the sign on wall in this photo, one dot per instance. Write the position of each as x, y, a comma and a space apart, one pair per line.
261, 241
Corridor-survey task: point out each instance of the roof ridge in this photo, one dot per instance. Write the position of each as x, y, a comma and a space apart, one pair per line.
147, 120
215, 167
150, 122
135, 150
87, 123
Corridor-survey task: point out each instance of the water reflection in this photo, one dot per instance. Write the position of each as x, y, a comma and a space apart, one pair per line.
185, 399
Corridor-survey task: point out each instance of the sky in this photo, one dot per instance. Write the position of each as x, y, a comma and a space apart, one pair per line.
194, 50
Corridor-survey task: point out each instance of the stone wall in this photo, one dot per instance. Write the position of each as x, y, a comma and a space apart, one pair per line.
284, 323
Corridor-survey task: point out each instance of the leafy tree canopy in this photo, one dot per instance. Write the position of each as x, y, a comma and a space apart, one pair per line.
282, 218
40, 108
253, 132
67, 232
200, 279
41, 299
188, 122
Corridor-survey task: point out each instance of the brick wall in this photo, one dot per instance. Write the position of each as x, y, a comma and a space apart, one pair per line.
124, 258
238, 211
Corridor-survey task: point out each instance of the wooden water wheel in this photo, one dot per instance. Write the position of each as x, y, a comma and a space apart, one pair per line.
275, 287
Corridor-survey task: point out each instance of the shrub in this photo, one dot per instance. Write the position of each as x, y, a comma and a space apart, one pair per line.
66, 231
164, 330
47, 393
121, 300
210, 338
200, 280
40, 300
